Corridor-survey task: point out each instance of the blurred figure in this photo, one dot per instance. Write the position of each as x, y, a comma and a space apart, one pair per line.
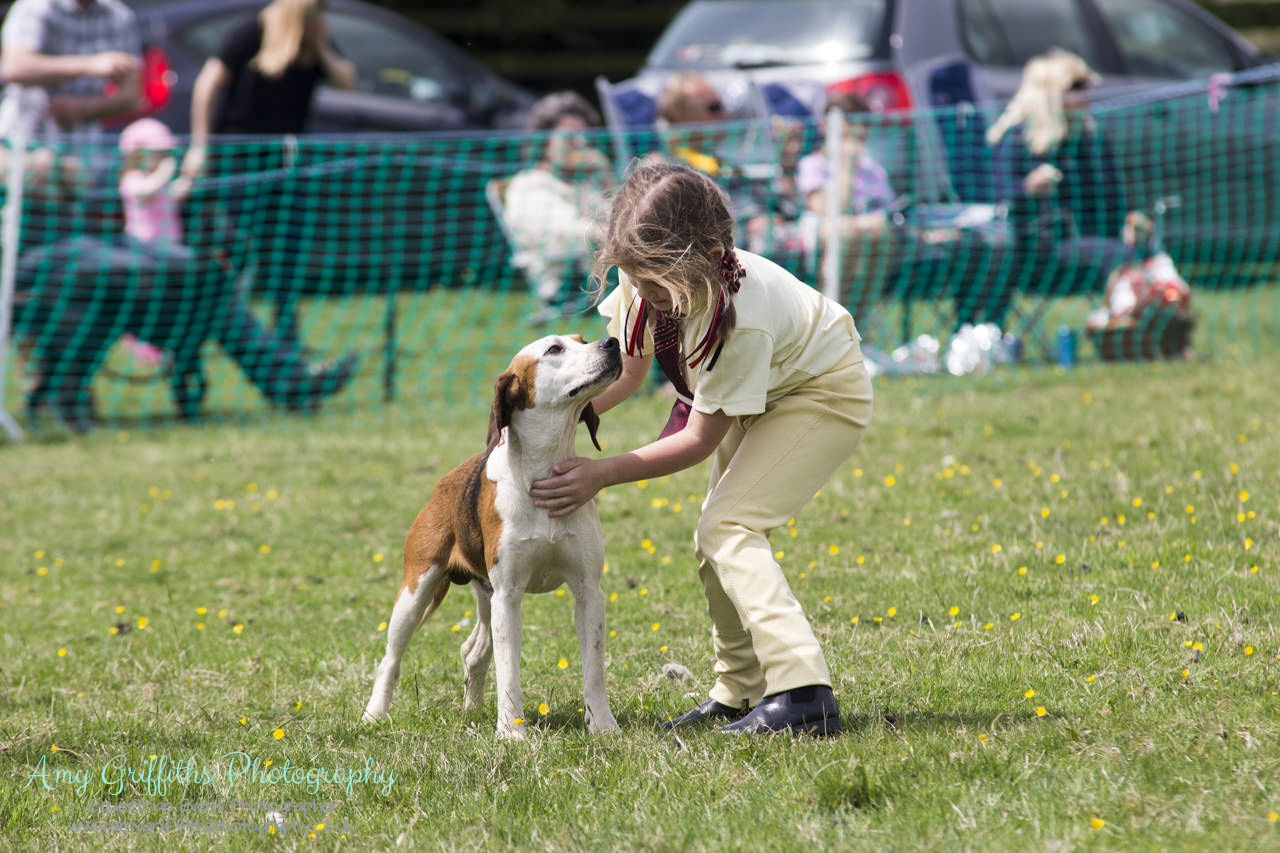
269, 67
1057, 173
267, 70
689, 108
549, 208
67, 65
862, 183
57, 60
150, 187
79, 294
688, 99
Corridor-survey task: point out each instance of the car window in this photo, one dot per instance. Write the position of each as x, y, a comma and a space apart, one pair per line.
743, 33
1010, 32
205, 36
1162, 40
390, 62
387, 61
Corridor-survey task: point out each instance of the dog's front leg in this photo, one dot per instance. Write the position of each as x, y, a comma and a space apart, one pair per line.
588, 617
507, 627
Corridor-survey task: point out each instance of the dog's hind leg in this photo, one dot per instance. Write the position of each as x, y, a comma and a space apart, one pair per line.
477, 651
410, 611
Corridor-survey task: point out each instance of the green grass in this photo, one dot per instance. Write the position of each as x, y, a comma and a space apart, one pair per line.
1139, 499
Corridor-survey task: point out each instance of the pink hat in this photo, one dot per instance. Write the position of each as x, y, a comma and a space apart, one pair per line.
147, 133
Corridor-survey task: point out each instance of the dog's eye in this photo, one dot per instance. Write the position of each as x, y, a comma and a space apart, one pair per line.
554, 349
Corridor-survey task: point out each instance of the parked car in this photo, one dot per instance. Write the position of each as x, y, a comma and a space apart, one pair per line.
875, 44
1155, 56
410, 79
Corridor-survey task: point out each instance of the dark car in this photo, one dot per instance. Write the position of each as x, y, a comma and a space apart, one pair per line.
410, 79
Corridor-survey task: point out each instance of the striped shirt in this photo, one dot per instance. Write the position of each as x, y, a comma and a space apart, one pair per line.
62, 28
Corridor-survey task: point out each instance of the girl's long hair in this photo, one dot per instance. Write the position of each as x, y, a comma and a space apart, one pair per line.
284, 22
672, 224
1038, 103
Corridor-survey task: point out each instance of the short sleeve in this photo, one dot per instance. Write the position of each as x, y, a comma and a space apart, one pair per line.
241, 45
24, 26
738, 383
620, 309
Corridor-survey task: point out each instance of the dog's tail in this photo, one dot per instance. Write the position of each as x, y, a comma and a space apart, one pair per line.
437, 582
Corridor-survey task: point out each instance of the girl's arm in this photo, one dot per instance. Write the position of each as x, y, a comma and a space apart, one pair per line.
575, 481
213, 76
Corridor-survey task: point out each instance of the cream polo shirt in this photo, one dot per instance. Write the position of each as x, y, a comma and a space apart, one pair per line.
786, 333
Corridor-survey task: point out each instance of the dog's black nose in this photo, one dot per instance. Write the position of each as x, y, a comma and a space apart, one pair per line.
608, 344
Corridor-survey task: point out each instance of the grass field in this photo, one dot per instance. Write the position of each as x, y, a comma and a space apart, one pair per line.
1048, 599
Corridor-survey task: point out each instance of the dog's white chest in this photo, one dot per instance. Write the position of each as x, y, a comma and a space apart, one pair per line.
538, 553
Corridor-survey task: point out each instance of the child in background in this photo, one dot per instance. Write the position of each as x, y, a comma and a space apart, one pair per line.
150, 187
773, 383
211, 306
150, 191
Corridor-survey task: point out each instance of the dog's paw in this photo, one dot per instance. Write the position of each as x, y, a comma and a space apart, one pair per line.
373, 715
512, 731
602, 724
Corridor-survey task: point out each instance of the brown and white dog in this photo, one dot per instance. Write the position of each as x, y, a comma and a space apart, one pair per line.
481, 527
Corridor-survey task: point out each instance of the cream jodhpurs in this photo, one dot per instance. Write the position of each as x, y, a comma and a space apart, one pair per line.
765, 470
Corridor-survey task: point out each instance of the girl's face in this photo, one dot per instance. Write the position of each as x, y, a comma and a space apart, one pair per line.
150, 158
653, 292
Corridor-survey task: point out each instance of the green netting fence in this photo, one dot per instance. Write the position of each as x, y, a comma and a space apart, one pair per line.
356, 273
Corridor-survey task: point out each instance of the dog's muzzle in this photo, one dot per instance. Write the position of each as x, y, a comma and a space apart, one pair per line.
610, 366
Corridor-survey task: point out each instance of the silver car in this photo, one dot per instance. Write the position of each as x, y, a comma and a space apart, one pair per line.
886, 49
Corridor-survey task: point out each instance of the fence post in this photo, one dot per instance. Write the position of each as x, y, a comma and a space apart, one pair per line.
834, 197
9, 264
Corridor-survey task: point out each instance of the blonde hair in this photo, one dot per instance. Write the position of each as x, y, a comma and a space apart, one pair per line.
283, 24
670, 224
679, 96
1038, 103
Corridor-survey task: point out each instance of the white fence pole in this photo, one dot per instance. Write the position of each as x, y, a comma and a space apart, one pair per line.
834, 197
9, 264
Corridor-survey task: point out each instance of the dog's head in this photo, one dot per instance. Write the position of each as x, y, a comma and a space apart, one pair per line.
556, 372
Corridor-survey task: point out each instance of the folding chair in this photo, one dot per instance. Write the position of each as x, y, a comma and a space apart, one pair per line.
527, 262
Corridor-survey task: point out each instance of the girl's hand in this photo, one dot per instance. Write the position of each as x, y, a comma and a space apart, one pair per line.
573, 482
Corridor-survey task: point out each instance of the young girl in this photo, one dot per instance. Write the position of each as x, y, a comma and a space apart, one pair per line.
150, 193
773, 383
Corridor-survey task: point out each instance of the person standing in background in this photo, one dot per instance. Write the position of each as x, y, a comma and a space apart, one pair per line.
67, 65
267, 71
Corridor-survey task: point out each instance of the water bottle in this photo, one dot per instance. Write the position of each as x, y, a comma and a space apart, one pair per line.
1066, 346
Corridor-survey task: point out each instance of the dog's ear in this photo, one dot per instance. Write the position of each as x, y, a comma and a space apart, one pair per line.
592, 421
509, 394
